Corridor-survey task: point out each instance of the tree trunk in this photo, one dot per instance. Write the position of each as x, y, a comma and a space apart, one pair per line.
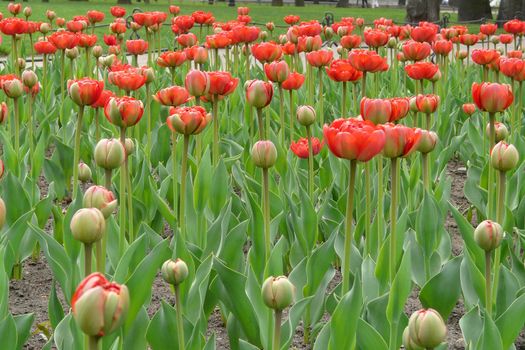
299, 3
277, 2
123, 1
509, 9
401, 3
342, 3
473, 10
422, 10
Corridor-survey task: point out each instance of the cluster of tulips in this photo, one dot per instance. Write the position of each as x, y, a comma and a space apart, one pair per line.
252, 244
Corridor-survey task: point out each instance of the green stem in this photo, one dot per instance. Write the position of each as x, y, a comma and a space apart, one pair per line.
198, 137
97, 125
215, 113
87, 70
363, 89
393, 218
107, 178
93, 343
180, 325
122, 190
321, 100
520, 107
425, 166
44, 77
281, 114
260, 123
148, 121
148, 39
348, 228
368, 209
310, 74
380, 193
500, 210
183, 187
492, 137
88, 252
32, 51
310, 164
277, 329
266, 213
292, 116
129, 191
344, 99
78, 133
174, 174
31, 132
62, 92
217, 60
488, 284
247, 68
428, 121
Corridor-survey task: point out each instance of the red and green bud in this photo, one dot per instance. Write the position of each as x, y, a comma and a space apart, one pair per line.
278, 292
99, 306
88, 225
408, 343
488, 235
277, 71
124, 111
174, 272
259, 93
72, 53
101, 198
13, 87
85, 91
197, 83
306, 115
504, 157
129, 146
376, 110
264, 154
84, 172
427, 103
109, 154
426, 328
428, 141
501, 131
29, 78
188, 120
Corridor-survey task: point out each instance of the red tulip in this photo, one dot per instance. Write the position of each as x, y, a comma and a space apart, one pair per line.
505, 38
367, 61
14, 8
354, 139
492, 97
117, 11
63, 40
4, 113
243, 11
136, 47
188, 120
376, 110
184, 23
320, 58
485, 57
300, 148
515, 54
95, 16
277, 72
342, 70
187, 40
44, 48
198, 54
259, 93
13, 26
294, 81
222, 83
110, 40
423, 34
201, 17
422, 70
291, 19
197, 83
350, 42
12, 85
174, 10
375, 38
469, 108
85, 91
416, 51
86, 40
400, 108
442, 47
127, 80
124, 111
171, 59
468, 39
172, 96
427, 103
75, 26
514, 26
488, 28
245, 34
513, 68
218, 41
266, 52
400, 140
104, 97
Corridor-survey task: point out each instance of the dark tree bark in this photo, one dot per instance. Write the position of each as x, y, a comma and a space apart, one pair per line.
123, 1
401, 3
509, 9
299, 3
423, 10
473, 10
342, 3
277, 2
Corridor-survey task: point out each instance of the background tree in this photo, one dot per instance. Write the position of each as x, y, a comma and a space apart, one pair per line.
423, 10
473, 10
300, 3
342, 3
277, 2
509, 9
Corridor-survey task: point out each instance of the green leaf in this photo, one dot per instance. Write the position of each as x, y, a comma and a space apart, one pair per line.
368, 337
401, 288
428, 224
220, 189
294, 316
8, 332
162, 330
511, 322
490, 336
23, 328
67, 336
203, 185
54, 307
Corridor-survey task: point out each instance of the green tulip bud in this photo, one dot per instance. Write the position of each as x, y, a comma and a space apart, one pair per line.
408, 343
306, 115
428, 141
84, 172
504, 157
488, 235
29, 78
278, 292
174, 272
109, 154
426, 328
500, 130
101, 198
88, 225
129, 145
72, 53
264, 154
97, 51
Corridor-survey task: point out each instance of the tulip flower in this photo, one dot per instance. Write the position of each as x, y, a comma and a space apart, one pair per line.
422, 70
416, 51
469, 108
355, 140
343, 71
367, 61
99, 307
377, 111
109, 154
172, 96
423, 34
426, 328
171, 60
500, 130
427, 104
136, 47
302, 149
375, 38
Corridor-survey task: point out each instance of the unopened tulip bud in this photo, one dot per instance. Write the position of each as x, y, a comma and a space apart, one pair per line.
504, 157
72, 53
51, 15
494, 39
270, 26
201, 55
427, 142
101, 198
292, 35
21, 63
259, 93
427, 328
263, 35
13, 88
109, 154
29, 78
306, 115
4, 113
340, 50
84, 172
99, 306
469, 108
278, 292
129, 145
461, 55
342, 31
149, 73
197, 83
174, 272
413, 104
436, 76
97, 51
282, 39
135, 26
88, 225
27, 12
45, 28
264, 154
408, 343
501, 131
392, 42
488, 235
328, 33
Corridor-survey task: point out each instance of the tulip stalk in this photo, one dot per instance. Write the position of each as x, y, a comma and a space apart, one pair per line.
174, 173
182, 214
44, 77
247, 68
310, 163
122, 190
393, 218
93, 343
266, 213
344, 99
499, 218
129, 192
31, 137
321, 101
180, 325
310, 77
215, 115
261, 123
281, 113
492, 138
368, 209
88, 252
32, 51
291, 115
78, 132
148, 121
87, 72
278, 314
380, 192
348, 228
62, 93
